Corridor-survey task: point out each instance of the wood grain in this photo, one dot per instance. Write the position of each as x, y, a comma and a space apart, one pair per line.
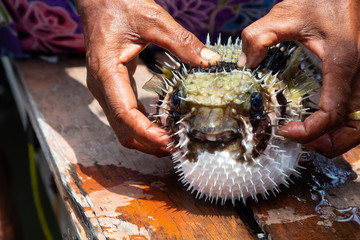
112, 192
353, 157
323, 204
115, 193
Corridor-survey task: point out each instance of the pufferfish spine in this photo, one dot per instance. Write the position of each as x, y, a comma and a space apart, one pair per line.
225, 120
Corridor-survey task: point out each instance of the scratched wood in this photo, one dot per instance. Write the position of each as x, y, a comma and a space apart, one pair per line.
112, 192
353, 157
115, 193
323, 204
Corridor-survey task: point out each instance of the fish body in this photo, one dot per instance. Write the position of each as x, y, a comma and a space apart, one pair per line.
225, 121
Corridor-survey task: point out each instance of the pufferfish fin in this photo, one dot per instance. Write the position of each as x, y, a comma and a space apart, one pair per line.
299, 83
159, 82
155, 85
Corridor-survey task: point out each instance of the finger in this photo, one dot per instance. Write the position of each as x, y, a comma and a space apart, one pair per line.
338, 141
173, 37
345, 137
116, 96
127, 138
124, 106
131, 66
142, 108
335, 93
131, 143
120, 106
278, 25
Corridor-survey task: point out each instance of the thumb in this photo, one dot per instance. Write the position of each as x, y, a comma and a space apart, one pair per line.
280, 24
173, 37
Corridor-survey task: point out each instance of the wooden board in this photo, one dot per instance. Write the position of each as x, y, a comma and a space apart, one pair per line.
353, 157
115, 193
323, 204
112, 192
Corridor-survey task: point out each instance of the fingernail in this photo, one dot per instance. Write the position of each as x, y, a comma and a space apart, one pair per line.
242, 60
209, 56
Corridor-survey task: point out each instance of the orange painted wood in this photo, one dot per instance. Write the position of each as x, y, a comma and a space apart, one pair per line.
112, 192
353, 157
115, 193
323, 204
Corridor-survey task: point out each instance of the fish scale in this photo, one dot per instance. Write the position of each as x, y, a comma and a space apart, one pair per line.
225, 120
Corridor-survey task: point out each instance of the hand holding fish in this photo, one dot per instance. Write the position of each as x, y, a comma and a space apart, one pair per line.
330, 29
115, 32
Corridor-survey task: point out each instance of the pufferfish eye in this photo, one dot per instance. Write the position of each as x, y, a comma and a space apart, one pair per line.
175, 99
175, 111
256, 101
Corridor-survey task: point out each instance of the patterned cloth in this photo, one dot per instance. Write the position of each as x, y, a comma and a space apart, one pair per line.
47, 26
228, 17
53, 26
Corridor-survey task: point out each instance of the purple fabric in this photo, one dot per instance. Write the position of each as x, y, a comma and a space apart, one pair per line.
45, 26
53, 26
228, 17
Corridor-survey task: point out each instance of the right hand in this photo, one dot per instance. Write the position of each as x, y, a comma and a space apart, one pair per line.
115, 32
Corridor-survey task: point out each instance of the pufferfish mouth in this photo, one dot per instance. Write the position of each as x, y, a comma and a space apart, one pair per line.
214, 136
214, 125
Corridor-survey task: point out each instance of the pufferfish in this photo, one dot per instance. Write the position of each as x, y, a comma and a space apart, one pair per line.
225, 120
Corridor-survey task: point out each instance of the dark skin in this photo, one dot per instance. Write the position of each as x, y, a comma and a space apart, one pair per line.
330, 29
115, 32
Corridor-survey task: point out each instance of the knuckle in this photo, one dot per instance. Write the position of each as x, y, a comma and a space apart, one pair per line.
154, 14
282, 8
93, 88
185, 38
249, 36
125, 142
248, 33
92, 66
100, 61
97, 68
117, 112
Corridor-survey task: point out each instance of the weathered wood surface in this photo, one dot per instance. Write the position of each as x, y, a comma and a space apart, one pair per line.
112, 192
353, 157
323, 204
115, 193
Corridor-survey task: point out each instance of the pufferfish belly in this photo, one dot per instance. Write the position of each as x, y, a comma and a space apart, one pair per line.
225, 121
219, 176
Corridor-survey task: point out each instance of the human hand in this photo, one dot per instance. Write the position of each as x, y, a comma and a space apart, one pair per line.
115, 32
330, 29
